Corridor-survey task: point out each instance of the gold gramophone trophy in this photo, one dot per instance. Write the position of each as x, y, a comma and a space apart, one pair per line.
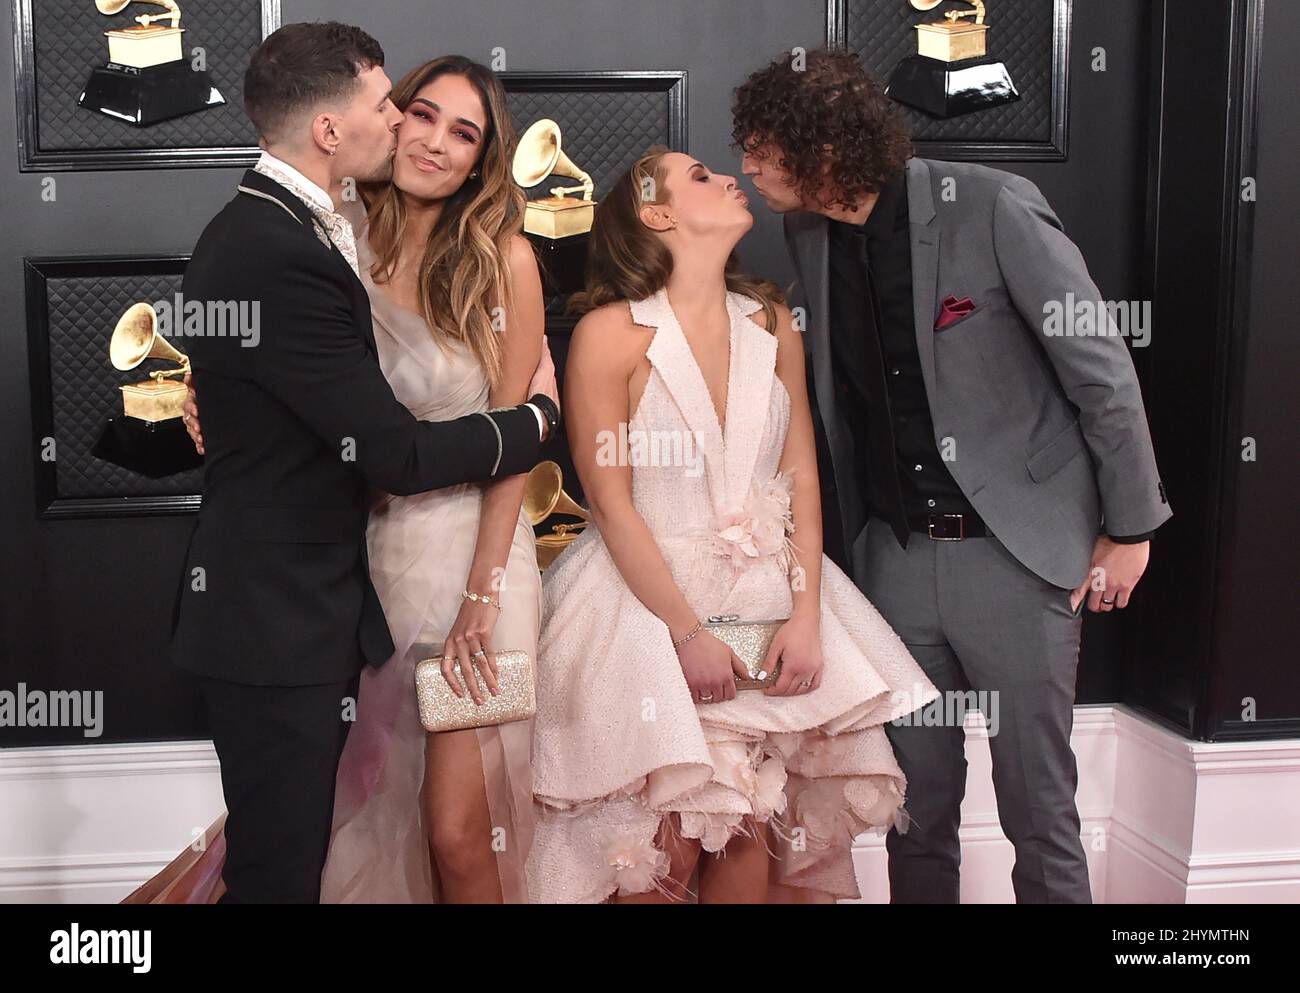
951, 73
150, 437
544, 496
147, 78
134, 340
558, 225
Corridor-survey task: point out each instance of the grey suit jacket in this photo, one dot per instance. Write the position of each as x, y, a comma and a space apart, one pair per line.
1047, 432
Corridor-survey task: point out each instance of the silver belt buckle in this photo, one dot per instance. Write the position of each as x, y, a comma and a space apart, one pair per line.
961, 527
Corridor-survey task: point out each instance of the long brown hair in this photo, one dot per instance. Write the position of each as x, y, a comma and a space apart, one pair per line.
626, 261
464, 274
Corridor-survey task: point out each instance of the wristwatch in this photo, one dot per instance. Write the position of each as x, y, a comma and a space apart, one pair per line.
549, 410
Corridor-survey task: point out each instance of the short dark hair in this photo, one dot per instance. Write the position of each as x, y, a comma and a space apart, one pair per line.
828, 100
302, 65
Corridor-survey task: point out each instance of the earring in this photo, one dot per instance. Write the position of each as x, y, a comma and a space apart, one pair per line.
474, 175
332, 151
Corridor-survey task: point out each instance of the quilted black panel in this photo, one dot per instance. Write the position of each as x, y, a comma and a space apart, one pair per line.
68, 41
83, 311
602, 131
1020, 34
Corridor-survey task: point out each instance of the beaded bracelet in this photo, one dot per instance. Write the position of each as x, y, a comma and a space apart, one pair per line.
481, 597
688, 636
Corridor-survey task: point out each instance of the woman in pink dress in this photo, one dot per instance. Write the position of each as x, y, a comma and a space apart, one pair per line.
688, 416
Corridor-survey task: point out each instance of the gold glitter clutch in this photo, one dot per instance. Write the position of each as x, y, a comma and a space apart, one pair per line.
443, 710
750, 640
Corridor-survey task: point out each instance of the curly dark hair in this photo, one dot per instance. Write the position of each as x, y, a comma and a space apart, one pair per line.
823, 97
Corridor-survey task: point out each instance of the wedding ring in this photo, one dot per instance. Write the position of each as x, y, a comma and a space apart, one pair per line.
706, 697
805, 684
1104, 600
479, 654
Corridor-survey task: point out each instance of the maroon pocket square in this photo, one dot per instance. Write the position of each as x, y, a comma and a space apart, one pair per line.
953, 310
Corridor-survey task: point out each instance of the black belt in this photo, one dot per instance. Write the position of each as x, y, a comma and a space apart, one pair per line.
948, 527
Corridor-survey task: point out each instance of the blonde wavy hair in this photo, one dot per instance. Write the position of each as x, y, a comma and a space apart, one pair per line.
464, 274
627, 260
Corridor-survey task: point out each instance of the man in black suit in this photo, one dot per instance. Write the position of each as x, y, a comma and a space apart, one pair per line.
276, 613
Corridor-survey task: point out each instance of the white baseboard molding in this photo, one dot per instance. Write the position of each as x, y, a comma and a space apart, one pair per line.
1165, 820
92, 822
1203, 822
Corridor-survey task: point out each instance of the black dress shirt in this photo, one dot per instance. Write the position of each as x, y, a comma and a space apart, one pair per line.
878, 368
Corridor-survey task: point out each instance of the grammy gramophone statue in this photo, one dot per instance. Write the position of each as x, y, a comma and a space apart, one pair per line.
147, 78
558, 225
149, 437
951, 73
544, 497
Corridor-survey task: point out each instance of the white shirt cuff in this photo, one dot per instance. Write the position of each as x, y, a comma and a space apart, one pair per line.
541, 419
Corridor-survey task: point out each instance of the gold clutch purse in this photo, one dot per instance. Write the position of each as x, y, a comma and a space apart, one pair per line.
443, 710
750, 640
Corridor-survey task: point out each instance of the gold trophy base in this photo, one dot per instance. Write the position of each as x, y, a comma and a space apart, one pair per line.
143, 46
951, 42
549, 547
559, 217
153, 401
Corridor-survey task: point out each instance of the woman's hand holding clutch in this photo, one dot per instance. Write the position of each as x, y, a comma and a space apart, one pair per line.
470, 643
710, 668
797, 644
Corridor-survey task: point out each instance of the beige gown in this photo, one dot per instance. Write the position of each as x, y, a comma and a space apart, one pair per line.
420, 550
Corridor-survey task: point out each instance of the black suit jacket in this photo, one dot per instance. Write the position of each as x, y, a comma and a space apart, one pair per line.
297, 420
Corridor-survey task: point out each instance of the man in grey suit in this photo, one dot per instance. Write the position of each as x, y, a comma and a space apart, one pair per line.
993, 467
